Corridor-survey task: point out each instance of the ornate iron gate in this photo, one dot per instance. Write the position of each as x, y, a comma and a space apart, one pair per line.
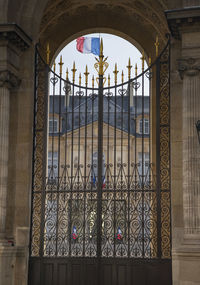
101, 177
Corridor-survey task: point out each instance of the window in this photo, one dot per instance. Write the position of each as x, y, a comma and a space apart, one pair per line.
145, 165
94, 170
52, 166
145, 126
53, 125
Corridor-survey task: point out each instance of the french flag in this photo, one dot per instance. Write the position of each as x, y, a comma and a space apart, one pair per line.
74, 233
94, 179
104, 182
119, 234
88, 45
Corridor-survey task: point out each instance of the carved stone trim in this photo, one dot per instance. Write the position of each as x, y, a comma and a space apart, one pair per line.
9, 80
188, 66
190, 3
143, 11
179, 18
15, 35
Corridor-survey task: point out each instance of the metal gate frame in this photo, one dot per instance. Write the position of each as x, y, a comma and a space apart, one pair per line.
126, 270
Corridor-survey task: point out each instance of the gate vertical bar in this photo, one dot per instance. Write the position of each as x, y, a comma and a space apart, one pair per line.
142, 168
158, 182
128, 214
100, 155
71, 161
59, 158
85, 156
115, 159
44, 130
34, 141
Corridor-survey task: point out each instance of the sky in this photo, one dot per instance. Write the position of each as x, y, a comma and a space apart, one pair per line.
117, 49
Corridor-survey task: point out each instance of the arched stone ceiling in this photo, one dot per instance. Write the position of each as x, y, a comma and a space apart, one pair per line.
141, 20
29, 14
149, 10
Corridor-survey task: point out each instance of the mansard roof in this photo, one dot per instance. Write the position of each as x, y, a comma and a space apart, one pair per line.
77, 106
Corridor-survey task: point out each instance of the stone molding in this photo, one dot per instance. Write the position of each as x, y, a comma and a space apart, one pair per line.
9, 251
142, 11
9, 80
179, 18
188, 67
190, 3
15, 35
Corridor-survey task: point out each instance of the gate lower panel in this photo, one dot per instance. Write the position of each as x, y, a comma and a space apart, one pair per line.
116, 271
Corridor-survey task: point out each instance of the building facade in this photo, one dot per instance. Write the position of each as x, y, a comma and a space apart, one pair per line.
115, 134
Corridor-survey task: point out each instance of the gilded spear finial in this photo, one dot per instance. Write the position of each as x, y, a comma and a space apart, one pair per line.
93, 81
61, 64
101, 65
122, 76
142, 58
67, 74
129, 66
136, 69
109, 80
86, 73
73, 72
101, 47
101, 58
149, 60
80, 79
157, 45
48, 53
115, 73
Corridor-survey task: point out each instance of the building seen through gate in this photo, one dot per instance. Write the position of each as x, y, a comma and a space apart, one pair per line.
139, 126
116, 127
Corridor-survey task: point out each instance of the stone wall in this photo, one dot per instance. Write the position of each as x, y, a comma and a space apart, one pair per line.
185, 86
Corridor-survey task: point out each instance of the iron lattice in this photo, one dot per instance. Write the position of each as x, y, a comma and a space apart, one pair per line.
96, 197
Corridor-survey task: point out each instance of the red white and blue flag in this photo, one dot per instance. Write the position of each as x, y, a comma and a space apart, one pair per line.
88, 45
94, 179
119, 234
74, 233
104, 182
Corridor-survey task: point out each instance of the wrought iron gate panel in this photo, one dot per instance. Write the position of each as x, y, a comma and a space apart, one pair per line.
165, 153
98, 196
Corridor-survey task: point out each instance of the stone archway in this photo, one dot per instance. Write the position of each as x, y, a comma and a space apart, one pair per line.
110, 17
139, 21
42, 24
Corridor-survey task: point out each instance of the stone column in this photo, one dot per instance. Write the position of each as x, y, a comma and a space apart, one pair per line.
4, 137
7, 81
189, 69
185, 97
13, 259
